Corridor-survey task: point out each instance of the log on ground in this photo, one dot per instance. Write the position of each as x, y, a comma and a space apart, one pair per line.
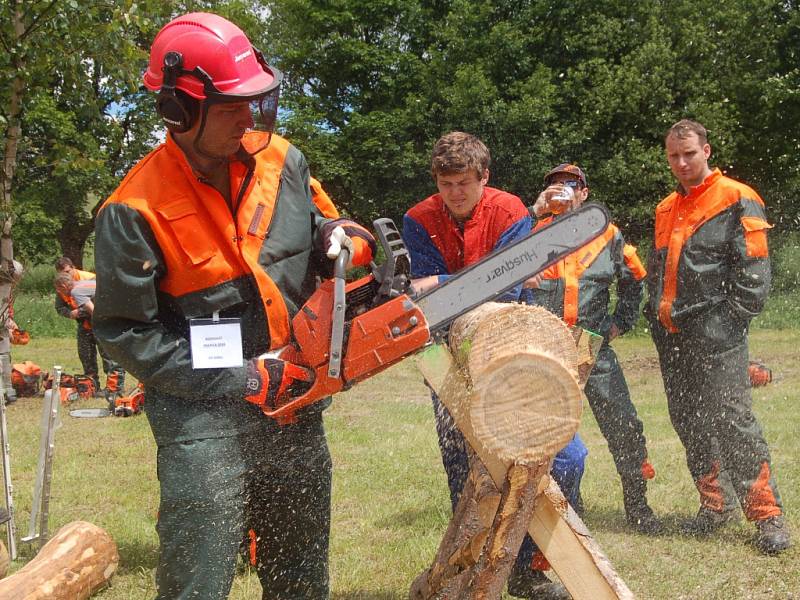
78, 561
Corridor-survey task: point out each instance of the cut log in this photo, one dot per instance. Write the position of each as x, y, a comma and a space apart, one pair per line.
520, 365
566, 543
525, 407
5, 560
78, 561
508, 338
494, 327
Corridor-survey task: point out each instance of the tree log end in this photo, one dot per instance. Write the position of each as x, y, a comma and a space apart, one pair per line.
525, 407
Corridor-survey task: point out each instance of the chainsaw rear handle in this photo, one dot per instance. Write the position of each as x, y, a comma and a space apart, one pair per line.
391, 327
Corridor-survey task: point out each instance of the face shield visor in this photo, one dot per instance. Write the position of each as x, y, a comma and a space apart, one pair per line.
263, 107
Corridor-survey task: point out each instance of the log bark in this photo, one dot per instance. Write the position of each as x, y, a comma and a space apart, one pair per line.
5, 560
508, 529
462, 542
78, 561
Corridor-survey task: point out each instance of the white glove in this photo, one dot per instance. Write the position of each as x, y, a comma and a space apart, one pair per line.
338, 240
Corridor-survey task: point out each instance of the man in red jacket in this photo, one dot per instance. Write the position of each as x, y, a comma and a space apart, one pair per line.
465, 220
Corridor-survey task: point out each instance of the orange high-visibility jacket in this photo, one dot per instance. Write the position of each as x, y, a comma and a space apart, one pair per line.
578, 288
709, 265
169, 249
66, 304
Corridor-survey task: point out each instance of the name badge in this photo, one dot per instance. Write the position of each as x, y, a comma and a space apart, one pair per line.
216, 343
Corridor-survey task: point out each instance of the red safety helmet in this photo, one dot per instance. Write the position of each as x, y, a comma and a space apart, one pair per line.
209, 58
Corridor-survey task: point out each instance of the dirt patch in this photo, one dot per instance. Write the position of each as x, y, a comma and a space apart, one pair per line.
640, 363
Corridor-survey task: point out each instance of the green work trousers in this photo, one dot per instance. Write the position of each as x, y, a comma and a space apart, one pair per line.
275, 481
708, 395
87, 353
610, 400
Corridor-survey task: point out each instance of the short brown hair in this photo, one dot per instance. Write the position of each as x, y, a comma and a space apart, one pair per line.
685, 127
63, 280
459, 152
64, 262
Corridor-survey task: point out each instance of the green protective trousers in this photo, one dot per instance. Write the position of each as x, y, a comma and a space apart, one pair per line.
87, 353
610, 400
275, 481
710, 406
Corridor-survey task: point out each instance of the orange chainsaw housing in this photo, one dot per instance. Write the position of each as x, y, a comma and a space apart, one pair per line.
132, 404
374, 340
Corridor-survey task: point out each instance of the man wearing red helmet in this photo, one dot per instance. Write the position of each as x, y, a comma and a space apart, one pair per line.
204, 253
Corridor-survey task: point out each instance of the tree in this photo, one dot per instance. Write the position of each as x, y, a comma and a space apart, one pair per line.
87, 119
82, 122
371, 85
19, 28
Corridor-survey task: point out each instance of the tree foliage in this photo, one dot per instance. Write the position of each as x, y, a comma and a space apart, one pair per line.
85, 119
373, 83
81, 126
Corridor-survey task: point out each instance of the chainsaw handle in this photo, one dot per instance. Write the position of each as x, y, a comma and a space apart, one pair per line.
322, 387
337, 316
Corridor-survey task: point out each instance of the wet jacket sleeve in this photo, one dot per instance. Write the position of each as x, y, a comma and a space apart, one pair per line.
425, 257
126, 318
630, 275
751, 273
62, 307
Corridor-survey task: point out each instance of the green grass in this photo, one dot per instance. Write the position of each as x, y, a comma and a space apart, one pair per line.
390, 501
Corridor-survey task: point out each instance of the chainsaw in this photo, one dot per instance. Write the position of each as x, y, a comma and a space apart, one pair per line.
348, 332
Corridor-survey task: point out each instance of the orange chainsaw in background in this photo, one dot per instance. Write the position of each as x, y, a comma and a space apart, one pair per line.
348, 332
130, 404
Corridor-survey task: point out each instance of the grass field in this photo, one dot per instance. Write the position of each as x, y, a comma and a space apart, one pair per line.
390, 504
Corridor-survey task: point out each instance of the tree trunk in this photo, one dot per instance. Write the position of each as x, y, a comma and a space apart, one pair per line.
79, 560
72, 238
14, 127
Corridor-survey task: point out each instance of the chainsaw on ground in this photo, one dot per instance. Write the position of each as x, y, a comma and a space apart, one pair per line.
130, 404
348, 332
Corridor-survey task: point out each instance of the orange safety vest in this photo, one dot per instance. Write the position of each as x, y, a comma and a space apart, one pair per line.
679, 216
572, 267
79, 275
70, 301
201, 244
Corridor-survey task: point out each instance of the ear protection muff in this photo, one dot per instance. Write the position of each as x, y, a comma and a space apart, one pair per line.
177, 115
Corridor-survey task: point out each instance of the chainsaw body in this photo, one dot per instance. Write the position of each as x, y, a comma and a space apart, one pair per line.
348, 334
